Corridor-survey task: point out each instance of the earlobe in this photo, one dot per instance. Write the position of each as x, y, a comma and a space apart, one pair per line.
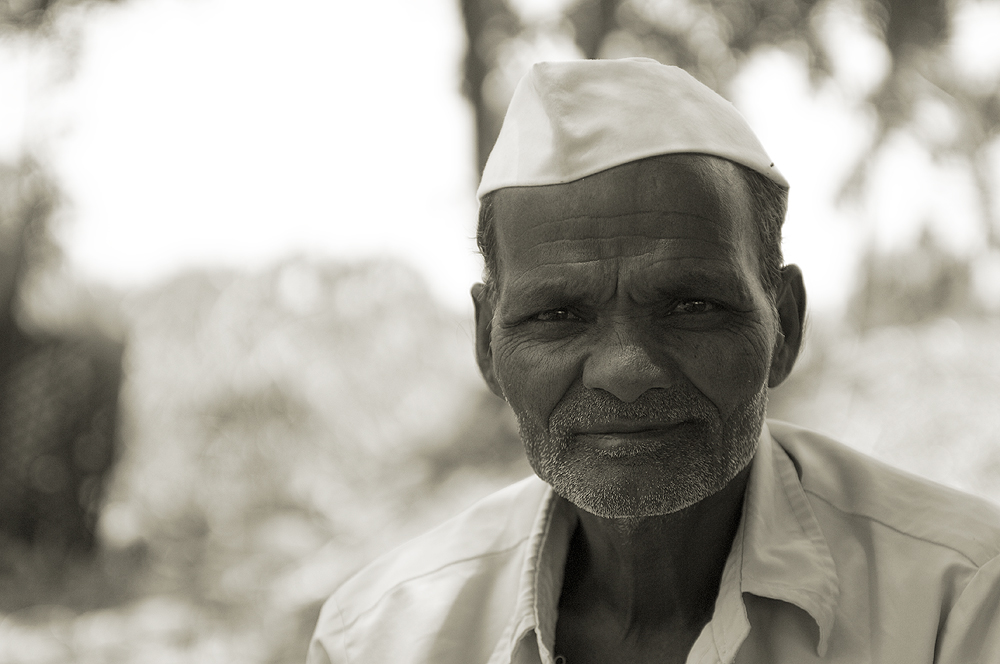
791, 306
483, 304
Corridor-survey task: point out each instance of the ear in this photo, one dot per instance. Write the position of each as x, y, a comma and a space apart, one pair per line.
791, 305
484, 330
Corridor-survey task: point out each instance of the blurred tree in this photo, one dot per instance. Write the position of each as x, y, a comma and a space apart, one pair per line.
489, 24
32, 16
58, 393
712, 38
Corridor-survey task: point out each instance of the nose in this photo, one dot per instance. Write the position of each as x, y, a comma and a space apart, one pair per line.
622, 364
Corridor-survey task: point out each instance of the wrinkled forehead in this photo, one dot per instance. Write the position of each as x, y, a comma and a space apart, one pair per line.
658, 193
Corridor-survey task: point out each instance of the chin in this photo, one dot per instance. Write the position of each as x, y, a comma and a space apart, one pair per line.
646, 491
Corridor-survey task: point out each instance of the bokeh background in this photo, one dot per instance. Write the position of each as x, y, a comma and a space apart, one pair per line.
236, 242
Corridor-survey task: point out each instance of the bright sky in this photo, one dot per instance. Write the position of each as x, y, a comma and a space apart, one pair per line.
238, 132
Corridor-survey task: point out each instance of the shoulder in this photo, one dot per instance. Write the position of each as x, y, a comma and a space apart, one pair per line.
858, 486
496, 527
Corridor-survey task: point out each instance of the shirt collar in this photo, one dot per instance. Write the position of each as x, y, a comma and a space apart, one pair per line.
790, 559
779, 552
530, 635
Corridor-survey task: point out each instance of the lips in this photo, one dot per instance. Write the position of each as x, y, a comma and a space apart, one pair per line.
634, 436
627, 427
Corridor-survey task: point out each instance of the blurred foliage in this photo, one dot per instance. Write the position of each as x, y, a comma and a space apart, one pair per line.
911, 286
28, 197
36, 16
282, 429
711, 39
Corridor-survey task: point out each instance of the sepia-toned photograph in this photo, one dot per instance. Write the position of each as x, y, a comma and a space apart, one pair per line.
499, 331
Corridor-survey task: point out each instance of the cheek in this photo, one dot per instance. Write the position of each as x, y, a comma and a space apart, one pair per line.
533, 377
728, 368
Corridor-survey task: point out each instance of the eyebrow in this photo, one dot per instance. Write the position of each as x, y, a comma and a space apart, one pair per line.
549, 290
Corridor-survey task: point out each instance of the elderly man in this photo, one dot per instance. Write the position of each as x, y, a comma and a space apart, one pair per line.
634, 311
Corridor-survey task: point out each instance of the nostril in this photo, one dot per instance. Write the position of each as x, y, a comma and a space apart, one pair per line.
625, 371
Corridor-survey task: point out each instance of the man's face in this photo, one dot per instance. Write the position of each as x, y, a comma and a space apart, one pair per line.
631, 333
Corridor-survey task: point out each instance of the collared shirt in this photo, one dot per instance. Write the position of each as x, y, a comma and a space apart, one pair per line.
838, 558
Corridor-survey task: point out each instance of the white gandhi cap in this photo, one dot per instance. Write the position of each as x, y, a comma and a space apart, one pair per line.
568, 120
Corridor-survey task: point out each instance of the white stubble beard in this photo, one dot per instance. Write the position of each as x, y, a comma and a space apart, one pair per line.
647, 479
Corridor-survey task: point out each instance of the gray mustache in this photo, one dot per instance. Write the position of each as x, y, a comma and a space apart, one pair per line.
584, 409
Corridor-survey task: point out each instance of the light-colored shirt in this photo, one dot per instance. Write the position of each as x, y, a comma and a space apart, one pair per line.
838, 558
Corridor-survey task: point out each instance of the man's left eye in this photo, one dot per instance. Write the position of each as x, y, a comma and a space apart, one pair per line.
694, 307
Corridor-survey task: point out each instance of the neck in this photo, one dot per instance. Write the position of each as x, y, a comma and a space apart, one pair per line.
656, 571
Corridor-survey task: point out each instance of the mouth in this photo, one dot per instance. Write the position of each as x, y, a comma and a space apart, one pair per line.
619, 435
